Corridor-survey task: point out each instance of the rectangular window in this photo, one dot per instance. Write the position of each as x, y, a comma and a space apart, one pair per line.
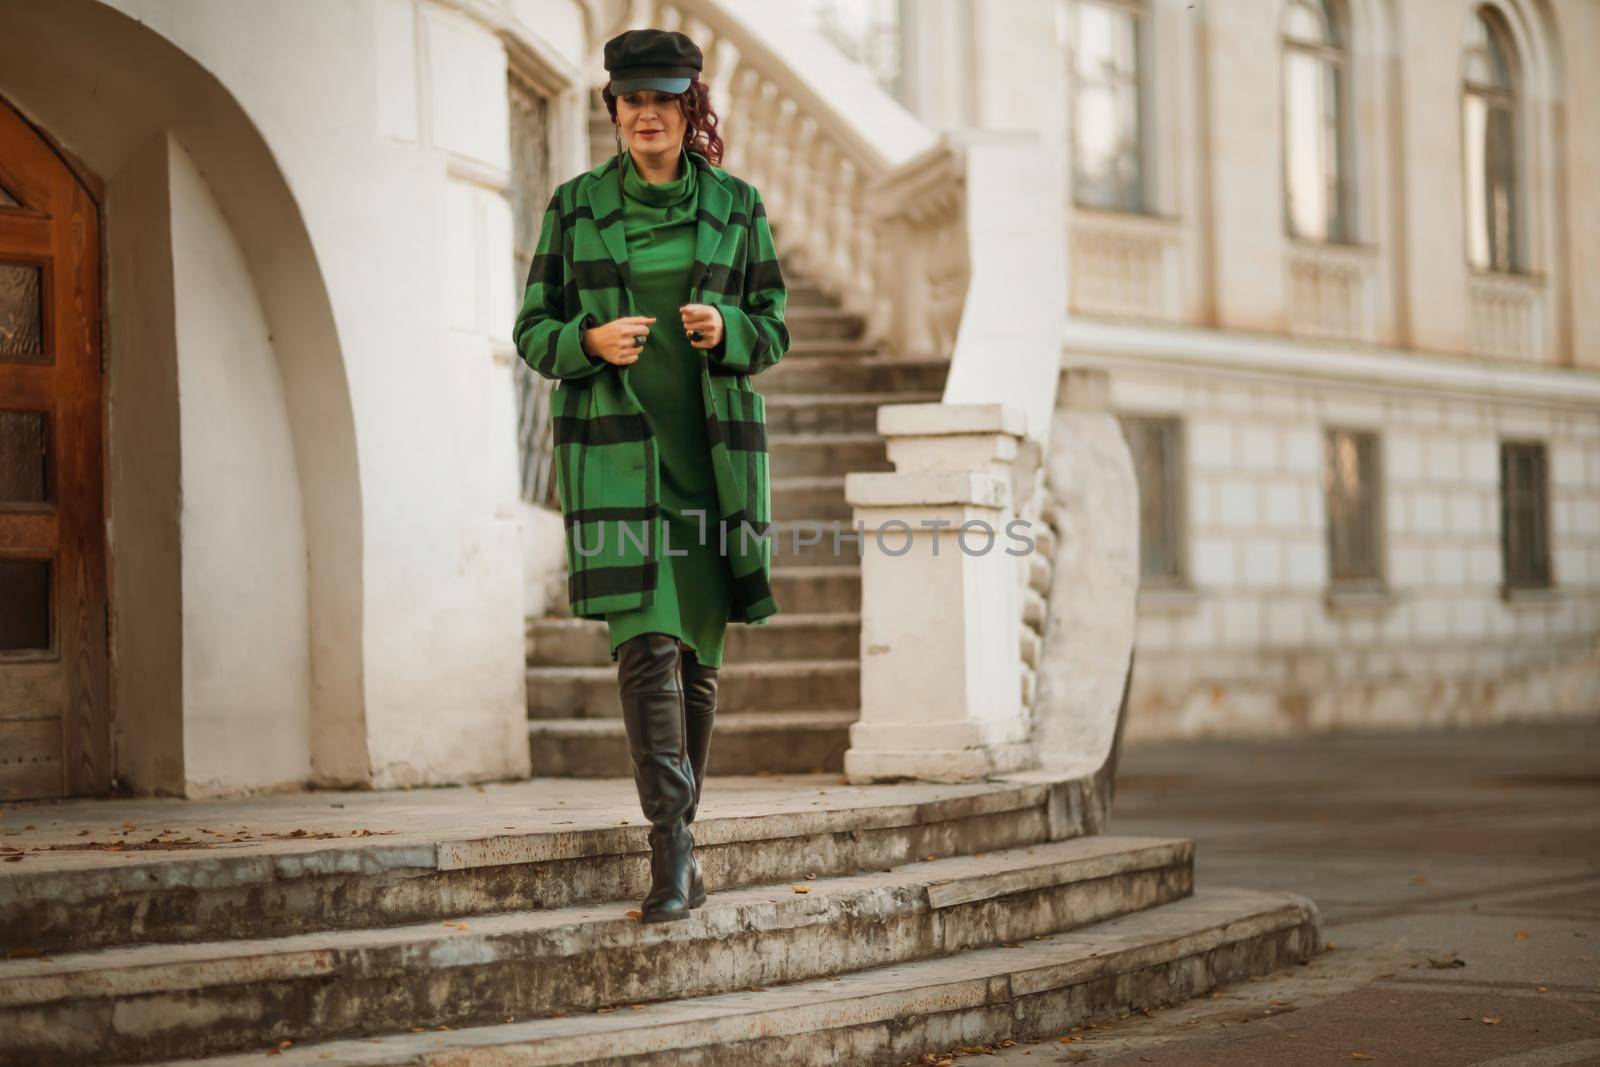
1156, 443
1352, 481
1524, 514
1108, 126
531, 185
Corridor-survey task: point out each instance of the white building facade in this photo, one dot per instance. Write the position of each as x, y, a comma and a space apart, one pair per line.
1341, 262
273, 512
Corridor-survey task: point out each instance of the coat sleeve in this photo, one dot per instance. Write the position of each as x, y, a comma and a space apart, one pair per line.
754, 336
548, 341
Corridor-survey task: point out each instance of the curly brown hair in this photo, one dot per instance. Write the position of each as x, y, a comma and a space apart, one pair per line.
700, 133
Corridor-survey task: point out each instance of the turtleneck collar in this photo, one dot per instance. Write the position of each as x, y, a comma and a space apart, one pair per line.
659, 194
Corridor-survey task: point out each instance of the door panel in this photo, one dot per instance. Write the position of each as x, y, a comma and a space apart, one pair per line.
54, 714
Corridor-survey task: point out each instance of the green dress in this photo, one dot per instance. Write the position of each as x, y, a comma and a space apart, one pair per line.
694, 588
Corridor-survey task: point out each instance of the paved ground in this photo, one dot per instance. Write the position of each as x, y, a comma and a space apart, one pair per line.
1459, 879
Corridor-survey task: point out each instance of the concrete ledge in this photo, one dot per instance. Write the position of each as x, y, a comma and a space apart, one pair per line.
408, 857
120, 1003
890, 1015
892, 489
939, 420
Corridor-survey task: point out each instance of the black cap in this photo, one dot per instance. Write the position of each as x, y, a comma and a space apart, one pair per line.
652, 59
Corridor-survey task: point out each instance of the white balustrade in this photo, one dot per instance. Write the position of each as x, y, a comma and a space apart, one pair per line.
1124, 266
1333, 292
819, 144
1505, 312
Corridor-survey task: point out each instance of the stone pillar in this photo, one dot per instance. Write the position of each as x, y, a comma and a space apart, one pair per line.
941, 686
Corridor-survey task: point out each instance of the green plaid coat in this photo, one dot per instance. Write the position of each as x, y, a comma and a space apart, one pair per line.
607, 474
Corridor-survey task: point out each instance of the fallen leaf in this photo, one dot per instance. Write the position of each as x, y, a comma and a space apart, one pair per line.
1542, 989
1420, 880
1521, 935
285, 1043
633, 914
1492, 1020
801, 888
758, 989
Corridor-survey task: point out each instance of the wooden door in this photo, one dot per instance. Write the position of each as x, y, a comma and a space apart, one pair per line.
55, 737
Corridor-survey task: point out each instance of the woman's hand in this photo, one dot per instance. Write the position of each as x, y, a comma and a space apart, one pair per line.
705, 318
619, 341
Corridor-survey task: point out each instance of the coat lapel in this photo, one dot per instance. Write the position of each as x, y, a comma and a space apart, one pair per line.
715, 205
604, 198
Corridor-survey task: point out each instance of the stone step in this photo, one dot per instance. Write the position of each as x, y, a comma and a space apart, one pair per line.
853, 374
806, 295
805, 413
813, 323
458, 852
767, 742
570, 642
118, 1004
809, 497
801, 455
887, 1016
804, 350
585, 692
823, 586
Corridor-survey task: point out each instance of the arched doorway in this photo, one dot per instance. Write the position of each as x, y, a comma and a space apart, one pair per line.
234, 572
54, 715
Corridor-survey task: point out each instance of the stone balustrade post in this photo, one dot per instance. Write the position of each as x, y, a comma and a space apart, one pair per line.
941, 695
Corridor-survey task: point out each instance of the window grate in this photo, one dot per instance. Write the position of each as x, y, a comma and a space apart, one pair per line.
1156, 443
1352, 479
1524, 514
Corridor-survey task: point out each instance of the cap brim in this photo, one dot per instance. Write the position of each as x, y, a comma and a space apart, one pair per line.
666, 85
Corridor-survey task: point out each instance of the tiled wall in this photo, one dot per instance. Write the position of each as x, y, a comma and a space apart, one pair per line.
1256, 647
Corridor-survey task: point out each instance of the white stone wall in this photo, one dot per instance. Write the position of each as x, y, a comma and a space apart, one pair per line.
1258, 648
309, 326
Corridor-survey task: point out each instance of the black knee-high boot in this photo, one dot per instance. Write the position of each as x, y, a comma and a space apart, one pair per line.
653, 715
700, 711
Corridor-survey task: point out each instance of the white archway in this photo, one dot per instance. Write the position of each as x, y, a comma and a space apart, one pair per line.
231, 418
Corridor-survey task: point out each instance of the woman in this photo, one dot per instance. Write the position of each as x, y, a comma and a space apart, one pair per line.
653, 295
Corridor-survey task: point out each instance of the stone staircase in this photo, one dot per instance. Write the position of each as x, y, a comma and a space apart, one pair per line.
859, 925
789, 689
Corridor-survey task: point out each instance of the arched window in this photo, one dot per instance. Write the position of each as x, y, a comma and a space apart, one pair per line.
1316, 150
1490, 136
1108, 123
